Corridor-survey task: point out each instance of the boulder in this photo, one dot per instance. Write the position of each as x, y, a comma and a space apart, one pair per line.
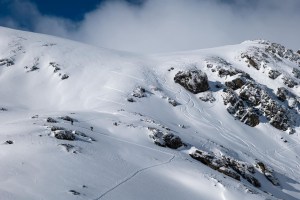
51, 120
163, 139
64, 135
172, 141
296, 73
194, 81
281, 94
273, 74
235, 83
139, 92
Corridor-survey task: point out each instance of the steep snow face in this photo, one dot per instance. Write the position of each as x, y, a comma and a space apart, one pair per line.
89, 123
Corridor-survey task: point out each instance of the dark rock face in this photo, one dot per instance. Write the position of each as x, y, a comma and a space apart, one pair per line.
281, 94
289, 82
3, 109
6, 62
273, 74
298, 51
268, 173
251, 119
67, 118
164, 139
296, 73
9, 142
194, 81
64, 135
251, 59
253, 101
139, 92
172, 141
51, 120
235, 83
65, 76
74, 192
228, 166
173, 102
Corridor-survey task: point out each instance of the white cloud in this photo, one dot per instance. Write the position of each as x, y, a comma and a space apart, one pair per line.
176, 25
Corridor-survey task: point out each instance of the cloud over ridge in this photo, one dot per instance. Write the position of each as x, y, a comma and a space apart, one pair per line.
172, 25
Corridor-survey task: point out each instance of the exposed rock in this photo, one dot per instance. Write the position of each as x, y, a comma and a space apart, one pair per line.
194, 81
268, 173
33, 68
74, 192
298, 51
3, 109
55, 128
281, 93
289, 82
64, 135
222, 72
273, 74
235, 83
81, 134
51, 120
253, 101
65, 76
9, 142
296, 73
172, 141
226, 165
165, 139
207, 97
6, 61
68, 118
251, 119
251, 60
55, 66
139, 92
173, 102
130, 99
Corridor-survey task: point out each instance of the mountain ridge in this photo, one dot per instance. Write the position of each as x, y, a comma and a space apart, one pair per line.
108, 122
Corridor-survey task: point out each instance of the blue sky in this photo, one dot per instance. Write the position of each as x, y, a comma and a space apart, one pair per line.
152, 26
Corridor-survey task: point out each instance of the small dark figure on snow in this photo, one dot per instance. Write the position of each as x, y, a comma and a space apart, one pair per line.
92, 128
72, 121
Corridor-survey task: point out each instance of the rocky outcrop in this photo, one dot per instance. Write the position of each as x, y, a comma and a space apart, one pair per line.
64, 76
226, 165
194, 81
252, 101
139, 92
268, 173
273, 74
173, 102
289, 82
63, 135
296, 73
235, 83
6, 62
165, 139
68, 118
51, 120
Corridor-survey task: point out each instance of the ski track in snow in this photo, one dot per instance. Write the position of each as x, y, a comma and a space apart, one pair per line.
132, 176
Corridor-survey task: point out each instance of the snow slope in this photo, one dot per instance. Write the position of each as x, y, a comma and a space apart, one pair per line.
43, 76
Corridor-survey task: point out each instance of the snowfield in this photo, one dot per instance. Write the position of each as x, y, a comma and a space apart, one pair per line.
79, 122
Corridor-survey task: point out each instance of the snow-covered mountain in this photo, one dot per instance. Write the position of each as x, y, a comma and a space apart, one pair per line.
79, 122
